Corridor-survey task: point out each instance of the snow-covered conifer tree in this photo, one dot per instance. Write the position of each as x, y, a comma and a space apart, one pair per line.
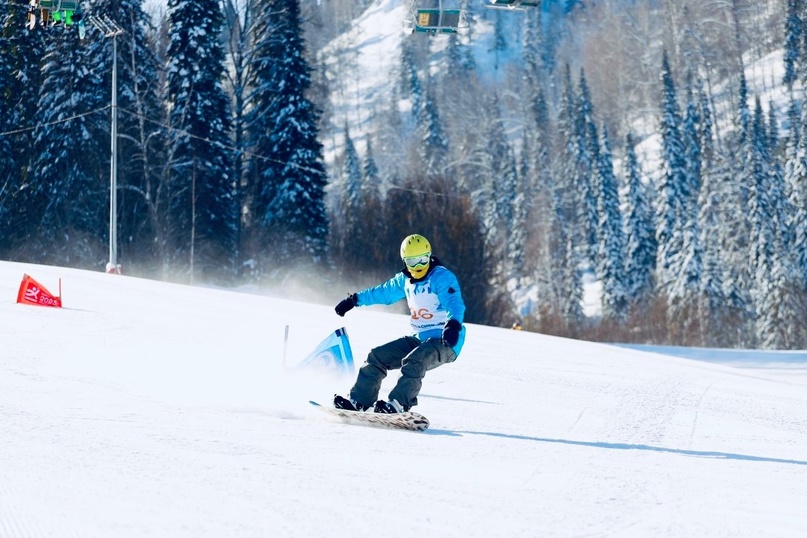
521, 223
693, 164
686, 270
567, 155
500, 190
572, 294
795, 176
203, 201
373, 210
19, 92
670, 202
793, 40
711, 308
587, 155
571, 239
71, 140
351, 202
409, 79
458, 52
734, 211
351, 175
640, 237
611, 259
433, 148
7, 71
769, 260
795, 186
532, 53
287, 171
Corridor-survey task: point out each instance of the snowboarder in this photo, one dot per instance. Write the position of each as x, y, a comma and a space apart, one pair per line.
435, 302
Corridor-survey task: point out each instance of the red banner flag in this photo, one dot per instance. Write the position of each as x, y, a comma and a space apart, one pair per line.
32, 292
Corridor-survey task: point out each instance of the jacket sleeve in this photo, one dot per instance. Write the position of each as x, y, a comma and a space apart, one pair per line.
448, 292
389, 292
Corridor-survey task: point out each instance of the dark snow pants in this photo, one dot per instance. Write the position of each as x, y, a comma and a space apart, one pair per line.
413, 357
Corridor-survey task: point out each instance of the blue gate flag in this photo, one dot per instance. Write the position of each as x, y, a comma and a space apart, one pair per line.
333, 354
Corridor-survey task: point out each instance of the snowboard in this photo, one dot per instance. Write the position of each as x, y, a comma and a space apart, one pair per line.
395, 421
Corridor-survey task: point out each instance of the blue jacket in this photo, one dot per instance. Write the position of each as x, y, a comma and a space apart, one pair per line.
432, 301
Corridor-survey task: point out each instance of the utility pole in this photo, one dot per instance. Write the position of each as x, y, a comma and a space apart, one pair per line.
110, 28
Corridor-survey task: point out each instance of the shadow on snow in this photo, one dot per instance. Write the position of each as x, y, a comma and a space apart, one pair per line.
625, 446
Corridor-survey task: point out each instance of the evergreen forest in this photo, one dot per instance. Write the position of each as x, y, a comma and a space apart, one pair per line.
612, 170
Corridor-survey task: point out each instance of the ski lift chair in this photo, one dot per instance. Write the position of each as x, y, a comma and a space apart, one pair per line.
60, 12
513, 4
436, 16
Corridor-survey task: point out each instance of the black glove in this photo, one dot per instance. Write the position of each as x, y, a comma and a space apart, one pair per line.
346, 304
451, 332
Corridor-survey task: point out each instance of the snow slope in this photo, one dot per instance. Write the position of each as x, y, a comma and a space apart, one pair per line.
151, 409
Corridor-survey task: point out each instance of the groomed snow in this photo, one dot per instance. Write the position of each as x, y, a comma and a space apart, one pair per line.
151, 409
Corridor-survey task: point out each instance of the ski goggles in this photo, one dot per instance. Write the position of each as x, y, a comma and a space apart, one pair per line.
417, 261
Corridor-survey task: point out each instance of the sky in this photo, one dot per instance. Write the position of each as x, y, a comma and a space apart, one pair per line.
144, 408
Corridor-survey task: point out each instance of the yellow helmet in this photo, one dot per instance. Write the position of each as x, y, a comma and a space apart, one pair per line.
416, 252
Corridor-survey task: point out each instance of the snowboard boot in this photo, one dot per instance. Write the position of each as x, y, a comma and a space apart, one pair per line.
341, 402
391, 406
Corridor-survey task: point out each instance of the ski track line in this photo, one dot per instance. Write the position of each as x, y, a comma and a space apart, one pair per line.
697, 413
647, 409
573, 426
589, 399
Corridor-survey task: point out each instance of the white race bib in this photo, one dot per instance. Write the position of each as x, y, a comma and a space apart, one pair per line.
424, 307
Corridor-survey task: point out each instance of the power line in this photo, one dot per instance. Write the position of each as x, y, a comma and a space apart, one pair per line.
167, 128
56, 122
216, 142
203, 139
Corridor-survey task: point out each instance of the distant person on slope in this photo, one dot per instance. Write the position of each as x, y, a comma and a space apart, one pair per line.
435, 301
